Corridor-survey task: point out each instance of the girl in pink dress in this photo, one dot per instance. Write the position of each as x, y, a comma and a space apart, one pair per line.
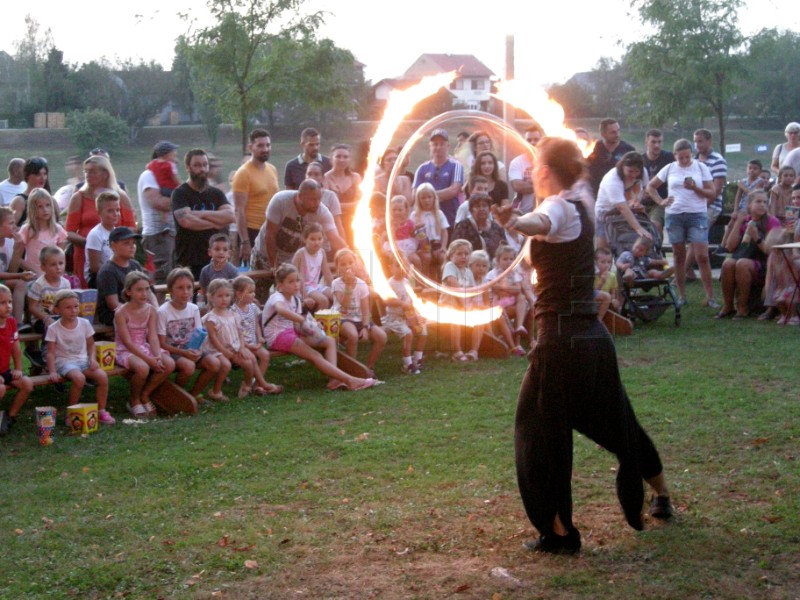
138, 349
41, 228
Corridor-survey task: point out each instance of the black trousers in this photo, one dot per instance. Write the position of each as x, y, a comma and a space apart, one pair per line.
573, 382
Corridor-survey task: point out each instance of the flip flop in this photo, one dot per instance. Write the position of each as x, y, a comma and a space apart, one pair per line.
273, 390
368, 383
244, 392
724, 314
137, 411
218, 397
335, 384
151, 409
460, 357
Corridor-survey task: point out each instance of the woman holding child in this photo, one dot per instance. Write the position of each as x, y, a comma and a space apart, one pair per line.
573, 381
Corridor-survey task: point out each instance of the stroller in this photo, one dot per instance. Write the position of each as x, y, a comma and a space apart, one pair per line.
644, 299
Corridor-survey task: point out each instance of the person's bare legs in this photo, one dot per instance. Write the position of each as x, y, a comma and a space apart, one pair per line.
745, 271
679, 253
704, 266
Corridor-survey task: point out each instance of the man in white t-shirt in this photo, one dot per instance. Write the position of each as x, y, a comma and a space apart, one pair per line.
520, 172
14, 185
158, 224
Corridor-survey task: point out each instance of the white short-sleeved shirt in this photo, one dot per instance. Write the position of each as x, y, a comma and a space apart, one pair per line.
611, 194
686, 200
45, 293
69, 344
352, 312
273, 323
429, 222
521, 169
153, 221
464, 277
565, 222
177, 325
97, 239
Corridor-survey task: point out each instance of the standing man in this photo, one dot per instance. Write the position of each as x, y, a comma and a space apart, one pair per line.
296, 168
200, 211
158, 225
655, 158
253, 186
13, 186
445, 174
718, 166
606, 153
520, 172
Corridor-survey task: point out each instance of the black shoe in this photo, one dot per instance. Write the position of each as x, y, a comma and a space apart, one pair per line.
36, 358
661, 507
556, 544
6, 422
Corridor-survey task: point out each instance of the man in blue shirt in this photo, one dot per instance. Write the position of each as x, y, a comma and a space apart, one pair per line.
445, 174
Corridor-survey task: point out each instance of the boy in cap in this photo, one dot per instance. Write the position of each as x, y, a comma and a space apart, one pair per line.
165, 167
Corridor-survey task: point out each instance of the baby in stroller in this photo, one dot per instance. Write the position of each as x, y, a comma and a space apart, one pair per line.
640, 263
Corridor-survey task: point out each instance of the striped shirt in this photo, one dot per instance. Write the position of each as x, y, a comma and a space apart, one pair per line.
719, 168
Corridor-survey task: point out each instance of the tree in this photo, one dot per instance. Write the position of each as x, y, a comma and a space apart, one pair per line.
690, 65
92, 128
98, 87
56, 85
768, 90
146, 90
236, 51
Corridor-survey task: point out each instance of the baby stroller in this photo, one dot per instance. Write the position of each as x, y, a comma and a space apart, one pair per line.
644, 299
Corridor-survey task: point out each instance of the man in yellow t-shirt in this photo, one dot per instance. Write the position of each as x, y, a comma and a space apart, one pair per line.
253, 186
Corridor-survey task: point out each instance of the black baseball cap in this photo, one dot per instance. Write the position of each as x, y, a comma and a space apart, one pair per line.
123, 233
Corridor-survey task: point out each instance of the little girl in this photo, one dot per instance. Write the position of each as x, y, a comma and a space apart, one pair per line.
244, 291
312, 264
403, 231
606, 286
507, 294
70, 353
226, 339
282, 311
41, 229
351, 299
780, 196
430, 223
138, 348
456, 274
402, 320
177, 320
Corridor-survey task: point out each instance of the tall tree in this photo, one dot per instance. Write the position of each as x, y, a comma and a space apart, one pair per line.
690, 64
236, 50
146, 90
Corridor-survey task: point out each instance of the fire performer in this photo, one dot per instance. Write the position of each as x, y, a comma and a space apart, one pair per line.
573, 381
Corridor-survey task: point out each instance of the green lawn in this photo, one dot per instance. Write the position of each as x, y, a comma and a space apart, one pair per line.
408, 490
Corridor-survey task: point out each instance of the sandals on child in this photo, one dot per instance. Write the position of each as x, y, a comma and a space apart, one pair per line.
460, 357
272, 390
151, 409
244, 392
218, 397
472, 355
138, 411
335, 384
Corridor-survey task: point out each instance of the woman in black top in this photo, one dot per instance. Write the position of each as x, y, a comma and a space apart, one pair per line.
573, 380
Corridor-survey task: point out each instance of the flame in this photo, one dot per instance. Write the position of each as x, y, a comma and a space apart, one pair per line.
533, 99
400, 104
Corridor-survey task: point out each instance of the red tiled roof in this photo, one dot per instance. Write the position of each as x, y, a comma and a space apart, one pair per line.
467, 64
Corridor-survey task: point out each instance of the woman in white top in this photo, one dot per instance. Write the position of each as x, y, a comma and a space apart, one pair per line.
621, 188
792, 133
691, 190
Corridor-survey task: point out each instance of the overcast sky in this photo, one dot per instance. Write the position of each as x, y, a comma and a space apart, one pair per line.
552, 41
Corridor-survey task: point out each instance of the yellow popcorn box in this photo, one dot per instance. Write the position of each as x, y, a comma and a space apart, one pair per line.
330, 321
105, 352
82, 418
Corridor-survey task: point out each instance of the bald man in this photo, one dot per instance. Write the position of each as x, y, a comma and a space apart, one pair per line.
14, 185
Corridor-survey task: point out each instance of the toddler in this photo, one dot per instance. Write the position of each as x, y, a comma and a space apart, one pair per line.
636, 264
70, 353
780, 196
138, 347
226, 339
283, 313
312, 264
402, 320
403, 231
606, 286
351, 300
430, 226
244, 292
177, 320
457, 275
746, 185
164, 167
9, 348
507, 293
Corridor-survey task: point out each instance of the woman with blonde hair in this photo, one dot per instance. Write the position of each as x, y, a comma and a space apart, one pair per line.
82, 213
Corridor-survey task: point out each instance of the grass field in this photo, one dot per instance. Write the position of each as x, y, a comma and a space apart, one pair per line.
408, 490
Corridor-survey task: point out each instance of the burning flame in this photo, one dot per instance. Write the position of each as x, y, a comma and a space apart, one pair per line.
530, 98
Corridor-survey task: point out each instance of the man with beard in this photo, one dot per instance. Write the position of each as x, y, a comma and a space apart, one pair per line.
254, 185
606, 153
200, 211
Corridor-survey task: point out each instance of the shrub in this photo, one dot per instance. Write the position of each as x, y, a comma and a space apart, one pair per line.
96, 127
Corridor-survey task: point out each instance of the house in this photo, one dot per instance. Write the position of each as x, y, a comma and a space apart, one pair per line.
470, 89
473, 85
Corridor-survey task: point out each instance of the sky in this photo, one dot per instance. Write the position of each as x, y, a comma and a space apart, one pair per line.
551, 41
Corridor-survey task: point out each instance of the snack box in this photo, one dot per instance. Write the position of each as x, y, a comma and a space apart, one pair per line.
106, 353
330, 321
82, 418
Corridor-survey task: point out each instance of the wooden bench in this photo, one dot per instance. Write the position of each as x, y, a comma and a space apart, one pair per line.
45, 379
100, 331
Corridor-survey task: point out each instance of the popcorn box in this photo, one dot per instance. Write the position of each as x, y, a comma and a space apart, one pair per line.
82, 418
45, 424
105, 352
87, 302
330, 321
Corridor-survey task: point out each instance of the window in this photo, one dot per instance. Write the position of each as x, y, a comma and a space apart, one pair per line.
478, 84
458, 84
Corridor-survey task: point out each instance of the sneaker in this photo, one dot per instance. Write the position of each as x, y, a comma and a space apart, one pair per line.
660, 507
105, 417
410, 369
682, 302
36, 358
556, 544
6, 422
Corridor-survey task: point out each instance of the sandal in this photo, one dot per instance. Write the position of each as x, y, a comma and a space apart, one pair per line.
724, 314
137, 411
244, 392
768, 314
367, 383
335, 384
151, 409
472, 355
460, 357
272, 390
218, 397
